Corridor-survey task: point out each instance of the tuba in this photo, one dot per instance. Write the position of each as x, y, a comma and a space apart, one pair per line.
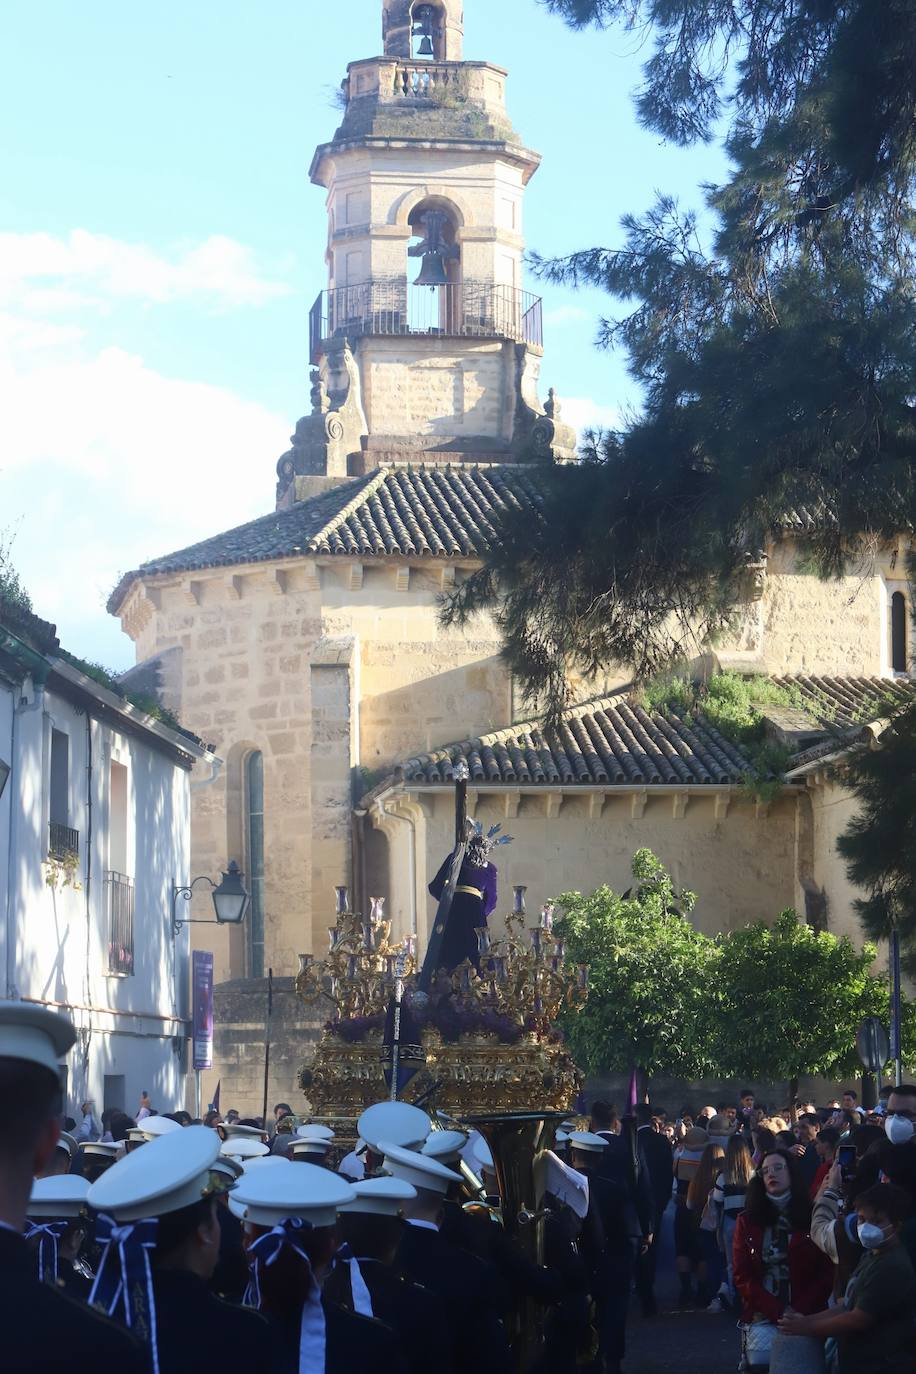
519, 1142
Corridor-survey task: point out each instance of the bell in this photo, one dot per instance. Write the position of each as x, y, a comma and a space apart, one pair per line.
432, 273
426, 47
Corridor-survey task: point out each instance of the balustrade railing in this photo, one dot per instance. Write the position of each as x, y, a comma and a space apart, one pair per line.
467, 309
427, 79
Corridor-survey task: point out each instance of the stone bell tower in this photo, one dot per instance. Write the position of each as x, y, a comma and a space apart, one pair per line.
425, 345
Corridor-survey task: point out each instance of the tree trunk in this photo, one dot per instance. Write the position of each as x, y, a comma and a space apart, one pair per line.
793, 1100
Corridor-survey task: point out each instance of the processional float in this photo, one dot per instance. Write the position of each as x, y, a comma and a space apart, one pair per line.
478, 1045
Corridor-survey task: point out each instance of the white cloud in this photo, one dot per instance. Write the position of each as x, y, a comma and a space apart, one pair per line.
42, 272
105, 462
565, 314
583, 413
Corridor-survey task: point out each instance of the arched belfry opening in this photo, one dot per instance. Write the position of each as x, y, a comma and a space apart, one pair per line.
424, 30
433, 292
427, 32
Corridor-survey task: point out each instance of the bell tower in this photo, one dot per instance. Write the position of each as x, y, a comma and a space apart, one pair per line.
425, 345
433, 31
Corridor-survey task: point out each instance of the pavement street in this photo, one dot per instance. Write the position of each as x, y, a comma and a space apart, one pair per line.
679, 1342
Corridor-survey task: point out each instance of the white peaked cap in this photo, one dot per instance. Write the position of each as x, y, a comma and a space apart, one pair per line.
260, 1162
242, 1148
236, 1132
445, 1146
588, 1141
396, 1122
66, 1142
483, 1154
313, 1130
418, 1170
562, 1137
152, 1127
319, 1148
34, 1034
107, 1149
63, 1196
227, 1167
168, 1174
269, 1196
352, 1167
380, 1197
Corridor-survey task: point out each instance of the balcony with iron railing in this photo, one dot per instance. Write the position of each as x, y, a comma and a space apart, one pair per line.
476, 310
120, 896
63, 841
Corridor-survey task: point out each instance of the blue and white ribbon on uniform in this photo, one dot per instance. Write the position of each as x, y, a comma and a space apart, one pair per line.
362, 1298
262, 1254
49, 1235
125, 1277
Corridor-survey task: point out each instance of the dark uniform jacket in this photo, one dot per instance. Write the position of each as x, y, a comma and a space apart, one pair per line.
478, 1339
44, 1332
415, 1315
192, 1324
659, 1158
353, 1345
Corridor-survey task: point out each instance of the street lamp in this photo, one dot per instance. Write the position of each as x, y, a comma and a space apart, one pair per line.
230, 900
4, 774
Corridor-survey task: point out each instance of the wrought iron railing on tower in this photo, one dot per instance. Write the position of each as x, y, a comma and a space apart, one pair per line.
477, 310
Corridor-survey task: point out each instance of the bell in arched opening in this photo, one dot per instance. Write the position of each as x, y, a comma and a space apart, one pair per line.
435, 250
423, 30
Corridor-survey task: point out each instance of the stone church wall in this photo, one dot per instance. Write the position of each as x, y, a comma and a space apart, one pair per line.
738, 858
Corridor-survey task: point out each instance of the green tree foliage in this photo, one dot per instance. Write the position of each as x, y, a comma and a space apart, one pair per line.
766, 1002
776, 359
879, 844
652, 983
793, 1000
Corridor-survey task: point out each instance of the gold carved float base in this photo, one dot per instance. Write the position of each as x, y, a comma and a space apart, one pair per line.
477, 1075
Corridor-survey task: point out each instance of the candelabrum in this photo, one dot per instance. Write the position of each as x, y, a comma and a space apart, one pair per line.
523, 978
362, 967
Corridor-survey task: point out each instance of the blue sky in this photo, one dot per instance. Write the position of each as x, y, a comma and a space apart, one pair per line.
160, 245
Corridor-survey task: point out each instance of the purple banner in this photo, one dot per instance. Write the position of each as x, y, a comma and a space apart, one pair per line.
202, 1008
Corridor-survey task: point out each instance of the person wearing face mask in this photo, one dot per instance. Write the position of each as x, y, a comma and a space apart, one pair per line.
873, 1330
900, 1122
777, 1266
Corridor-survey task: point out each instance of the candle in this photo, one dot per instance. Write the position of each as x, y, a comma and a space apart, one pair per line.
519, 900
351, 966
547, 917
305, 962
535, 934
377, 908
343, 901
483, 940
333, 937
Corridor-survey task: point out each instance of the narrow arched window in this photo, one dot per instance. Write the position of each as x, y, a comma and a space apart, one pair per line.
254, 845
899, 656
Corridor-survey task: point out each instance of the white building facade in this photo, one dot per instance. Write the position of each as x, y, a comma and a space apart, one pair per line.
94, 838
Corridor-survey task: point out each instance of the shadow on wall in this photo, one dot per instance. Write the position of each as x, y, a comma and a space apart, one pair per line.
437, 709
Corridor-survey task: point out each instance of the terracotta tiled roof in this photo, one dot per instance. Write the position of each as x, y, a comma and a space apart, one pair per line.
616, 742
612, 741
430, 512
841, 703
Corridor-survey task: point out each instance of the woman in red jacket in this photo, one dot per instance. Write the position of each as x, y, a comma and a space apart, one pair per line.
778, 1268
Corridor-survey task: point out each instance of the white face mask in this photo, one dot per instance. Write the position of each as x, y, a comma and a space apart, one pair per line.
899, 1130
871, 1237
780, 1200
